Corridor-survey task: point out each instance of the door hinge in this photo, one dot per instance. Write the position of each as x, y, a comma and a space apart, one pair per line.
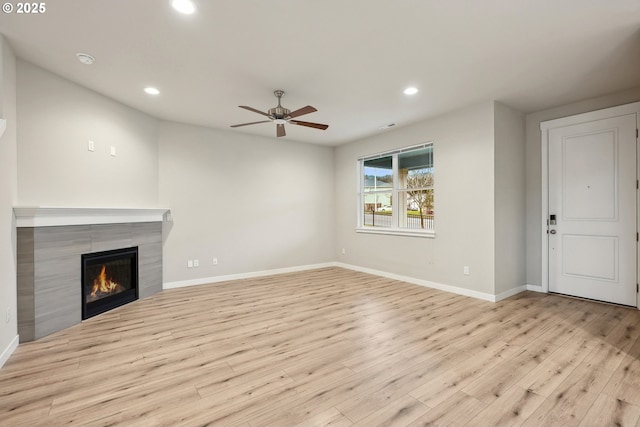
637, 184
636, 133
637, 288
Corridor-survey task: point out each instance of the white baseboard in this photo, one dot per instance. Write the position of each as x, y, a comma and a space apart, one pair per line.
413, 280
426, 283
7, 352
250, 275
535, 288
510, 293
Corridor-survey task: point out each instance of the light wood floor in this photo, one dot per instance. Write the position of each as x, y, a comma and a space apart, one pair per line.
332, 347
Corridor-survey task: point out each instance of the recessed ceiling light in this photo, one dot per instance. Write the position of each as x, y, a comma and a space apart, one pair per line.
152, 90
184, 6
85, 58
411, 90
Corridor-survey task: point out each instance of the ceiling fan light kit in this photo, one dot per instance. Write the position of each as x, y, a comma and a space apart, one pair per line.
281, 116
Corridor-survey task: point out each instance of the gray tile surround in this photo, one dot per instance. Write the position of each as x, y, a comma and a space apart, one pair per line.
49, 263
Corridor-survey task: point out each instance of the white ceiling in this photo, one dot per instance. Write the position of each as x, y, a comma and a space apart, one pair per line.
350, 59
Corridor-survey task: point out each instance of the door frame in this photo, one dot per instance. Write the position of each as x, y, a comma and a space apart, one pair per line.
545, 126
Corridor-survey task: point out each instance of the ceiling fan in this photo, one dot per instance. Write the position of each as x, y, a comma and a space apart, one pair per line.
280, 115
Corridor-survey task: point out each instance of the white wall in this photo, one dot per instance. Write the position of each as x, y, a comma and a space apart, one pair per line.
8, 196
534, 165
464, 203
57, 119
509, 199
254, 203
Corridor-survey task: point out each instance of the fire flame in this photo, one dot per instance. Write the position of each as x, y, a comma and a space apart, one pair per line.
104, 285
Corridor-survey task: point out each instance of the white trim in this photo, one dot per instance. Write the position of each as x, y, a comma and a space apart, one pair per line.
7, 352
412, 280
420, 282
249, 275
3, 126
396, 151
509, 293
535, 288
58, 216
359, 187
396, 232
544, 175
590, 116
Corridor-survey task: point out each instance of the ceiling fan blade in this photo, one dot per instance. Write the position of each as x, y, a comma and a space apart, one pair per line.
280, 130
304, 110
252, 123
309, 124
254, 110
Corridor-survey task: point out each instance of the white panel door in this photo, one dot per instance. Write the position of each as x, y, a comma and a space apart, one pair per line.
592, 194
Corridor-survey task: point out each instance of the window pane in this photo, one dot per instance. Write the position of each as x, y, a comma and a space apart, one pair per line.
416, 159
417, 209
378, 174
377, 209
415, 168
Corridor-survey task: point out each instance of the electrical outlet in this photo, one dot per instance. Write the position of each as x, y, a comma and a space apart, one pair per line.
344, 251
465, 270
196, 263
215, 261
91, 146
190, 264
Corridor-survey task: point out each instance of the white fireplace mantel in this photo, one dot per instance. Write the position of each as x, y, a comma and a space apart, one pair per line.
59, 216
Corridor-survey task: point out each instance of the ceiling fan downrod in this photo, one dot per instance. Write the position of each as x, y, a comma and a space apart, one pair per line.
278, 113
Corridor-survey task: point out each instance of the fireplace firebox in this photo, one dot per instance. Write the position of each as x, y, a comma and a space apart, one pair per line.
109, 280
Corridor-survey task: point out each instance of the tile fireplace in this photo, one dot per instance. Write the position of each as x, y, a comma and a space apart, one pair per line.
55, 244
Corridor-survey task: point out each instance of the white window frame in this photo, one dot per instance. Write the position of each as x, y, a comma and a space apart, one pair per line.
395, 191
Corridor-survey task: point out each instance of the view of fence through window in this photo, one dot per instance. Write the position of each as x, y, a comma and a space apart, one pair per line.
397, 190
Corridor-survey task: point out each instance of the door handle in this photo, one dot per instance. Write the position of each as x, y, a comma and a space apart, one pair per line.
552, 231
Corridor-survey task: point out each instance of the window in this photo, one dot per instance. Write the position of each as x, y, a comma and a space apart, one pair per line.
396, 192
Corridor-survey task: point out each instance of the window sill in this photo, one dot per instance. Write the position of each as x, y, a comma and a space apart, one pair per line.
397, 232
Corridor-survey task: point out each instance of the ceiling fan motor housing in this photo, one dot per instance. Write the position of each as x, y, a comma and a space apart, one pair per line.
278, 113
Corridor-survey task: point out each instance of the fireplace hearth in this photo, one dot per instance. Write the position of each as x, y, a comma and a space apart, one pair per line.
109, 280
